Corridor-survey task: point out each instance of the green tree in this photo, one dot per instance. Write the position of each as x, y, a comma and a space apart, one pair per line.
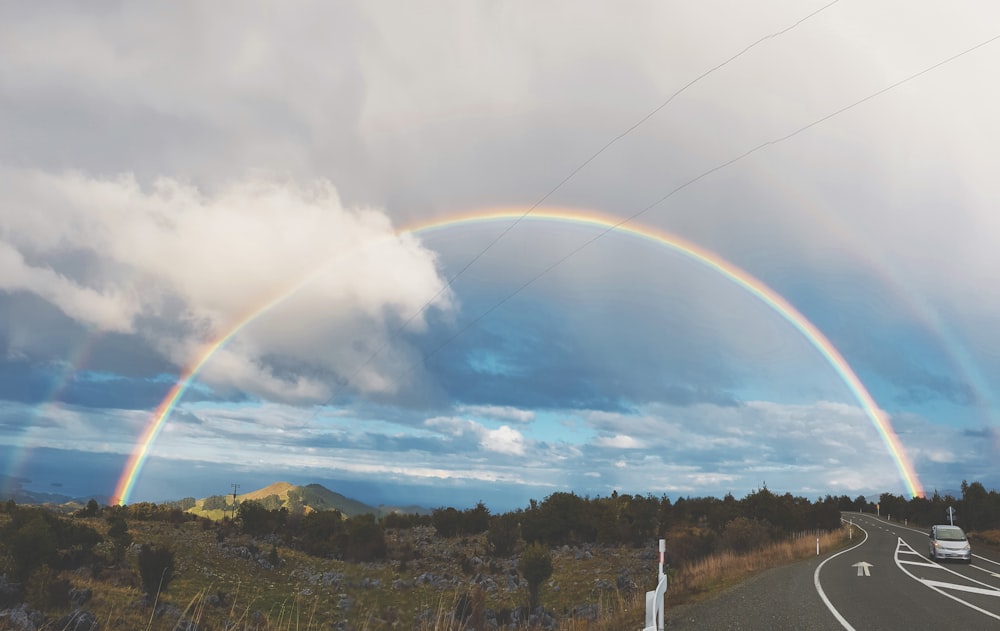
476, 520
503, 535
365, 539
91, 510
562, 518
322, 534
215, 502
258, 520
535, 565
30, 542
744, 534
447, 522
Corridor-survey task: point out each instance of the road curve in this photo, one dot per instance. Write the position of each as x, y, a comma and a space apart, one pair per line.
883, 581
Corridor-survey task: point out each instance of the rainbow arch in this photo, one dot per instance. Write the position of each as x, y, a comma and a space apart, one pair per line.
745, 280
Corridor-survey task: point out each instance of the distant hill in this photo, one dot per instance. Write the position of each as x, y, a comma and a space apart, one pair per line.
411, 509
318, 497
12, 488
278, 488
308, 498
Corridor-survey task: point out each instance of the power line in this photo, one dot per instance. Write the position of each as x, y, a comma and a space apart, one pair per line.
448, 284
700, 176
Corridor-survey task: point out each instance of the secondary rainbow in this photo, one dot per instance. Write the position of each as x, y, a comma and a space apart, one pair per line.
606, 223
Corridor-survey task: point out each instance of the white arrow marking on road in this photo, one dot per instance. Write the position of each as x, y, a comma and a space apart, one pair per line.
863, 568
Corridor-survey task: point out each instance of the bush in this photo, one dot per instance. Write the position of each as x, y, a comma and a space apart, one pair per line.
365, 539
45, 591
744, 535
120, 537
156, 568
503, 535
535, 565
447, 522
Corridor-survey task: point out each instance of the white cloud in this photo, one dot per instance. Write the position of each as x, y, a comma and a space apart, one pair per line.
301, 276
618, 441
501, 412
503, 440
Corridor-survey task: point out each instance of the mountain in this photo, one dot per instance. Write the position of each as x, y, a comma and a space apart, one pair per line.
308, 498
278, 488
318, 497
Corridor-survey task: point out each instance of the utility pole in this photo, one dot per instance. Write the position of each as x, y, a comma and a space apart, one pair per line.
235, 486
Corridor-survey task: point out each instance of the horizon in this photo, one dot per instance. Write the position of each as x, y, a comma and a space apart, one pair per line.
362, 492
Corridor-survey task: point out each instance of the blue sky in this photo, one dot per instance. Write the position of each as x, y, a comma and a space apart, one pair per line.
167, 170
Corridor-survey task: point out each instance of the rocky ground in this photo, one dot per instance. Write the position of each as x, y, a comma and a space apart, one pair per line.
244, 583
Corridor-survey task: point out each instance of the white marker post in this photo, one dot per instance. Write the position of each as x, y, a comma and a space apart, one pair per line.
817, 546
654, 599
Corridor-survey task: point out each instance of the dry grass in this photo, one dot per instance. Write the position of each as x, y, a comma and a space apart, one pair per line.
987, 537
719, 571
288, 598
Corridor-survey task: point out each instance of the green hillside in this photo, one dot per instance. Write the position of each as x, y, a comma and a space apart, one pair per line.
318, 497
297, 499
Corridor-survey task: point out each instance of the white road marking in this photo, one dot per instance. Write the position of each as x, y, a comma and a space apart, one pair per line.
938, 586
963, 588
819, 588
982, 569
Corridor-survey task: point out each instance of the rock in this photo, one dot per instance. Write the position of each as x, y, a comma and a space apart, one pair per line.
24, 619
80, 596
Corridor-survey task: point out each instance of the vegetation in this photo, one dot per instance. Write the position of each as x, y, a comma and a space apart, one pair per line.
565, 562
156, 568
535, 566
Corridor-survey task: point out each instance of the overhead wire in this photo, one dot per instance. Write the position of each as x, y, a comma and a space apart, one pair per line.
700, 176
565, 180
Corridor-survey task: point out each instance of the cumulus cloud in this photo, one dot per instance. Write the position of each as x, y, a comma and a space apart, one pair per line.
502, 440
283, 263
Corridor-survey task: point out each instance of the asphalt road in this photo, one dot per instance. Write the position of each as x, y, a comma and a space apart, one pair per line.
902, 589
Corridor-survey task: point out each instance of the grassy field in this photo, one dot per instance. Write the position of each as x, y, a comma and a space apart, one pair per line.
229, 584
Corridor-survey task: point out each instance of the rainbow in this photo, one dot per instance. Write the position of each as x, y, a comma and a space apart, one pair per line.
740, 277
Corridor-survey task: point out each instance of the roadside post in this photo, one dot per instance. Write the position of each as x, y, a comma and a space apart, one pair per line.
654, 599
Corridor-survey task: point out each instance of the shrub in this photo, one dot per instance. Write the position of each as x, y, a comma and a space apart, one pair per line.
45, 591
535, 565
156, 568
92, 509
120, 538
503, 535
365, 539
447, 521
743, 534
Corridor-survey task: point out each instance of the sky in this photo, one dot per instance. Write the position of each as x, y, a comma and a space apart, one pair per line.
445, 252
